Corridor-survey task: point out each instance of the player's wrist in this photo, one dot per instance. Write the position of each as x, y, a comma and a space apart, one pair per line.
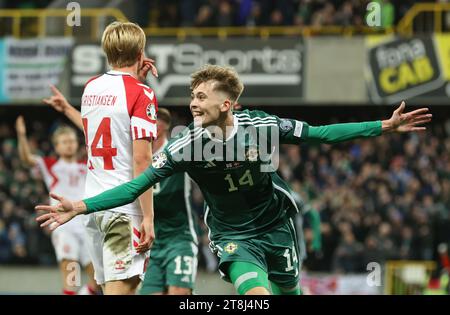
79, 207
387, 126
148, 217
66, 108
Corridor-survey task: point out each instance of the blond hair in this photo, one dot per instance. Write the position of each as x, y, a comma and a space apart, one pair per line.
122, 43
62, 130
227, 80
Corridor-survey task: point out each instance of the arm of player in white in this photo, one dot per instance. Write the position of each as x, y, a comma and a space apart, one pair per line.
60, 104
142, 157
23, 146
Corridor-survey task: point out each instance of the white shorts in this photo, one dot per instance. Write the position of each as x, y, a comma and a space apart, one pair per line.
112, 238
70, 242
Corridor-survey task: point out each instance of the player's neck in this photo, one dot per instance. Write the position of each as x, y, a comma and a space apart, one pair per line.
133, 70
226, 126
68, 159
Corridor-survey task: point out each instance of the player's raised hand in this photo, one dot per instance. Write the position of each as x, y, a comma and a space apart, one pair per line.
407, 122
56, 215
147, 235
147, 65
151, 63
57, 100
20, 126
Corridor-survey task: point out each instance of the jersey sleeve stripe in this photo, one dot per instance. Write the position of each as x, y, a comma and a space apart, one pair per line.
185, 139
49, 163
179, 147
142, 128
247, 116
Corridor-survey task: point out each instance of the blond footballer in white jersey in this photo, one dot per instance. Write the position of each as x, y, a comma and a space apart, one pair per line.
118, 116
63, 175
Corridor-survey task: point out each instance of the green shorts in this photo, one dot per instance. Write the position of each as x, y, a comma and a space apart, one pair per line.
172, 265
276, 252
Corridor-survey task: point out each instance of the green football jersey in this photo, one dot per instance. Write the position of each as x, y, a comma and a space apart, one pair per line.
236, 176
242, 198
174, 218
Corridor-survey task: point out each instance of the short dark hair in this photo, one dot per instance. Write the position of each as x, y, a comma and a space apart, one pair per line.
165, 116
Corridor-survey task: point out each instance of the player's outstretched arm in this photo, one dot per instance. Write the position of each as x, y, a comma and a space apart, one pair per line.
399, 122
23, 146
61, 213
65, 210
406, 122
60, 104
118, 196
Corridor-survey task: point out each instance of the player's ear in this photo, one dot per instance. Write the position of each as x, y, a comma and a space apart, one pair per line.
140, 58
226, 105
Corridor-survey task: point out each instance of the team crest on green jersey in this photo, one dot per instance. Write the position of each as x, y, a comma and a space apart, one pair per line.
159, 160
286, 125
230, 248
252, 154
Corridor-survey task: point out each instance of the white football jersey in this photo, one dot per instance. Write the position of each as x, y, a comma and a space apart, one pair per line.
116, 109
63, 178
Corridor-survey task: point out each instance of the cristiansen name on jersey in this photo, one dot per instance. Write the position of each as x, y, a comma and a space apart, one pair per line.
99, 100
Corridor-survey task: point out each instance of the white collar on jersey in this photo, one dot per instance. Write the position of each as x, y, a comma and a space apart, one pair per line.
162, 147
115, 72
230, 136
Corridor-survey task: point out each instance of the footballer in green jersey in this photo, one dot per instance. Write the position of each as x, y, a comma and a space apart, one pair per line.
172, 266
173, 257
249, 209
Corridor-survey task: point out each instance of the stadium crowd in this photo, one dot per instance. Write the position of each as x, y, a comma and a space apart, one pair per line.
211, 13
378, 199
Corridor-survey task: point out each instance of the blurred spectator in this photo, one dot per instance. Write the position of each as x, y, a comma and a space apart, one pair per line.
188, 12
142, 12
205, 16
5, 244
225, 15
347, 257
168, 14
212, 13
243, 11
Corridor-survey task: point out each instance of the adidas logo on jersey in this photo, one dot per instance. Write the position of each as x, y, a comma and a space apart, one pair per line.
210, 164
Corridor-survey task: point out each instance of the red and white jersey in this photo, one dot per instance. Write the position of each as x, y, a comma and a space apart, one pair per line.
63, 178
116, 109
